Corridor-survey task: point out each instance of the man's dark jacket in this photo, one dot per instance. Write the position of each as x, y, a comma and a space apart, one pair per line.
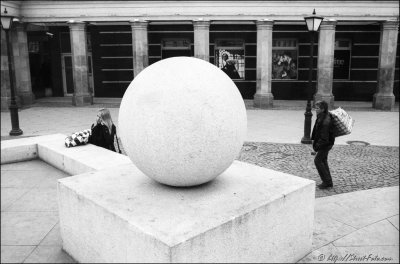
322, 133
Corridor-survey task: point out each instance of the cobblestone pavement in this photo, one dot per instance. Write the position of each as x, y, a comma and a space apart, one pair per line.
353, 168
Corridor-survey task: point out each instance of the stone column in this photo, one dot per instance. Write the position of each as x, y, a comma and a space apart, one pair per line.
263, 97
326, 52
21, 64
5, 79
81, 95
384, 97
139, 45
201, 39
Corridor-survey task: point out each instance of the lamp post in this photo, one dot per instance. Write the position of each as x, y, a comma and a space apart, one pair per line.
313, 22
6, 22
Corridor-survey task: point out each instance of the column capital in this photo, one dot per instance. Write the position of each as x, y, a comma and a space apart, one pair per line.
139, 23
20, 24
76, 25
201, 23
265, 23
329, 24
390, 25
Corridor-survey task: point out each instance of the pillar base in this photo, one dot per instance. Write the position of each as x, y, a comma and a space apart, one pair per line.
27, 98
383, 102
330, 99
5, 103
81, 100
263, 101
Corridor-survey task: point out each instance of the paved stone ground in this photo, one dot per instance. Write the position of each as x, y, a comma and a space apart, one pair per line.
353, 167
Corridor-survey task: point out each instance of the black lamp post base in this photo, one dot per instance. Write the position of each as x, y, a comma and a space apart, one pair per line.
306, 140
16, 132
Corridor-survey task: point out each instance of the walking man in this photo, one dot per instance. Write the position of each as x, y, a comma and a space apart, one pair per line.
323, 140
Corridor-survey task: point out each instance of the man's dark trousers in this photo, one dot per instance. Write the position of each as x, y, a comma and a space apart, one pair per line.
321, 162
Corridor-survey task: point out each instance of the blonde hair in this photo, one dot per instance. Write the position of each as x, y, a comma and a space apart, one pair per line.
104, 116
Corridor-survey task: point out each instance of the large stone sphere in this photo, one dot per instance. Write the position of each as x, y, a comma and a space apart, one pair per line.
182, 121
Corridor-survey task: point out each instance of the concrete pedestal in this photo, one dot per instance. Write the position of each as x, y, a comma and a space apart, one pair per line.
247, 214
6, 101
27, 98
83, 99
263, 101
383, 102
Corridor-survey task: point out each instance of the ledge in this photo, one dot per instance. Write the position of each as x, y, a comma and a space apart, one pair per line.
51, 149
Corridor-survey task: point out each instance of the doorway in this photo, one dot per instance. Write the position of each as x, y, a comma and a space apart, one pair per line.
39, 64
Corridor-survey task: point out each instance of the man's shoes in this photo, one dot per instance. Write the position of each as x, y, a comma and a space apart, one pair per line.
324, 185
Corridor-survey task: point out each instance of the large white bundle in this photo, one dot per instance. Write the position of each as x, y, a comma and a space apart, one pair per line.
343, 123
78, 138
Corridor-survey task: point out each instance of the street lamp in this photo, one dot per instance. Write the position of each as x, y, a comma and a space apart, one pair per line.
6, 22
313, 22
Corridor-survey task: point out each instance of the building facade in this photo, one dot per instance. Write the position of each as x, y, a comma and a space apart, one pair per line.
87, 49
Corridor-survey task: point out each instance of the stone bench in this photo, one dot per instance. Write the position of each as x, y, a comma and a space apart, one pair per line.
111, 212
51, 149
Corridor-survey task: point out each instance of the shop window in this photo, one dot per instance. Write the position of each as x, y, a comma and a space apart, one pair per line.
284, 59
229, 57
172, 47
341, 62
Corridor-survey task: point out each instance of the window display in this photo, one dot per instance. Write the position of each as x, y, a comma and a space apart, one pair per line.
284, 59
229, 57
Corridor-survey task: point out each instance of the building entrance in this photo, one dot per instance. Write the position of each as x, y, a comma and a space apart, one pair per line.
40, 65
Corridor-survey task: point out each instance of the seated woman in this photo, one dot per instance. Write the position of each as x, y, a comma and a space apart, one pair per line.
103, 131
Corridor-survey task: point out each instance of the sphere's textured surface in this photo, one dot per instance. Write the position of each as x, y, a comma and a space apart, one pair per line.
182, 121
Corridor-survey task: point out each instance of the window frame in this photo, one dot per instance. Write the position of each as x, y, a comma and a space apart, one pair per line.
218, 46
349, 47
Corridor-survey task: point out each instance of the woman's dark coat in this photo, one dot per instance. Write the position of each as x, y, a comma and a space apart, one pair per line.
102, 137
231, 71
